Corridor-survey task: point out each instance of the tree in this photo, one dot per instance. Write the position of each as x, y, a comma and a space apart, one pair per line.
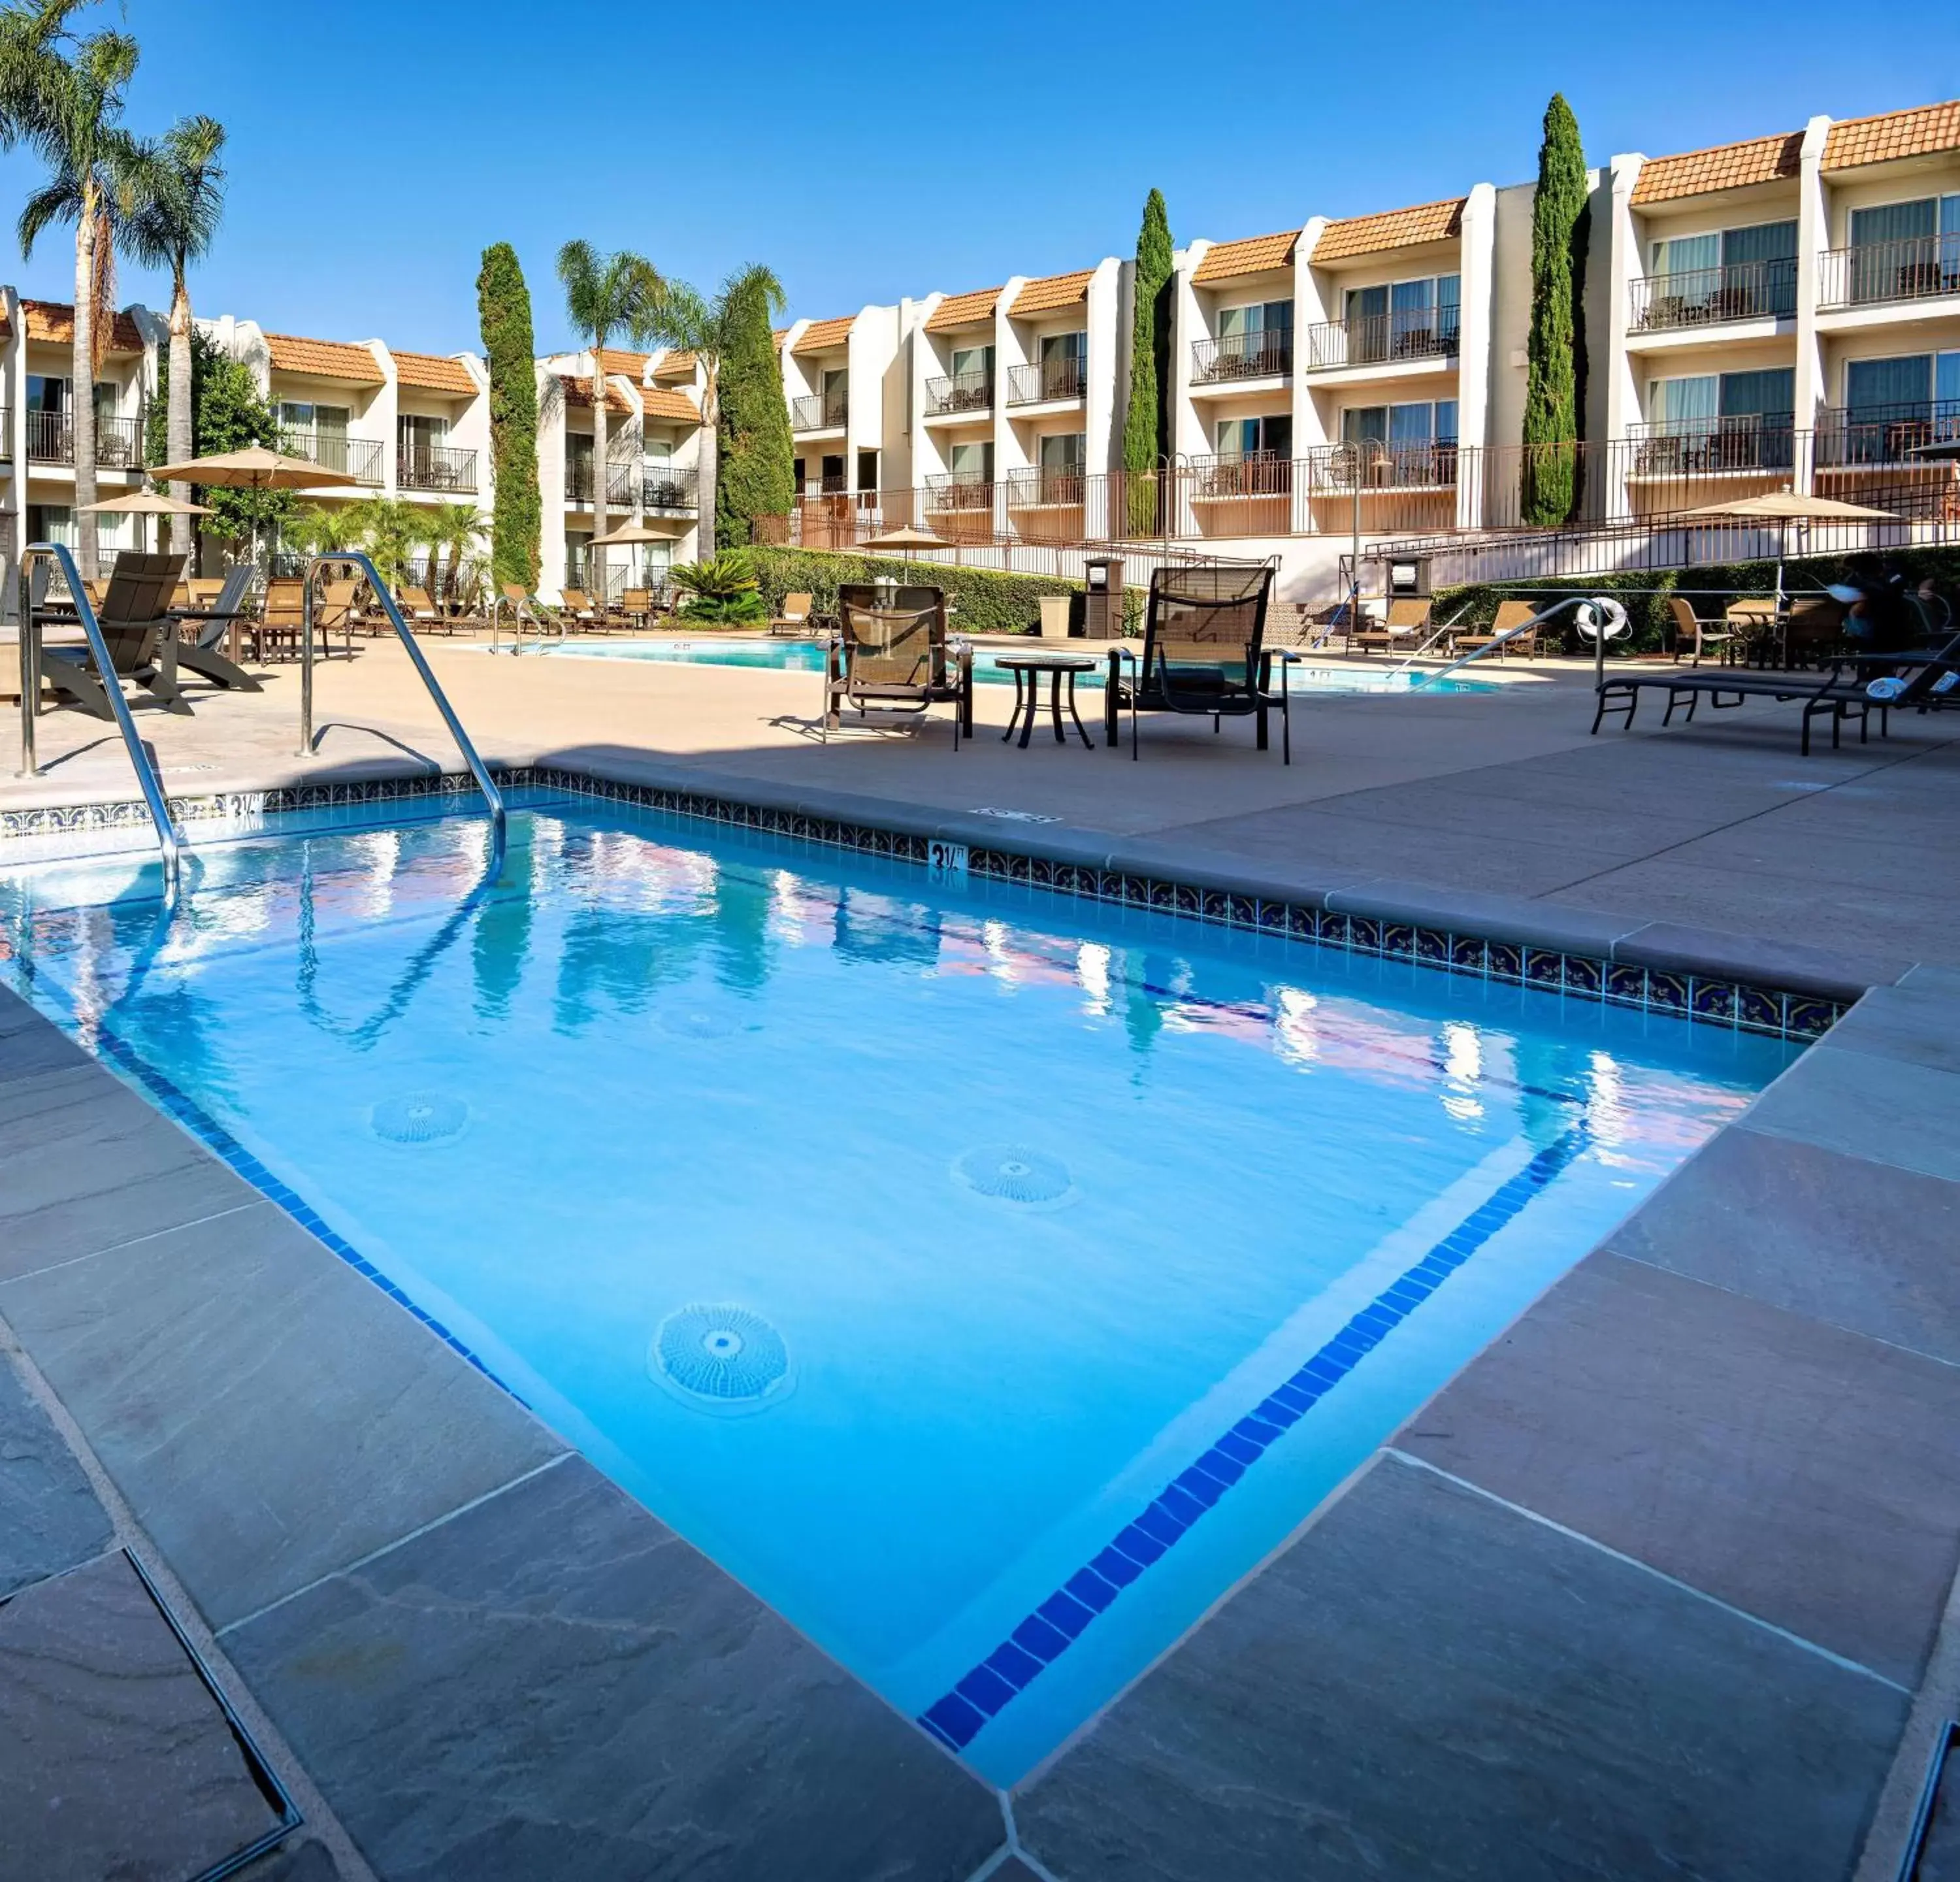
755, 473
453, 529
710, 330
1146, 427
606, 295
62, 95
1554, 355
177, 187
387, 528
504, 314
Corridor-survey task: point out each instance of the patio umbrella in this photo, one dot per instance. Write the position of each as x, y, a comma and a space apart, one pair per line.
1783, 508
253, 468
630, 533
144, 503
1945, 450
907, 538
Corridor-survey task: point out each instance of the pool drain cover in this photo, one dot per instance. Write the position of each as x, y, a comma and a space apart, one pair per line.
419, 1118
724, 1358
1015, 1174
697, 1022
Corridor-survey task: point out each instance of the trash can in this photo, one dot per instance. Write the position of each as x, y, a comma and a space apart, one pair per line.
1102, 604
1055, 612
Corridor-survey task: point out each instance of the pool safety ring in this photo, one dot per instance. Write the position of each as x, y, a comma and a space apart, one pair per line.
720, 1358
419, 1118
1013, 1172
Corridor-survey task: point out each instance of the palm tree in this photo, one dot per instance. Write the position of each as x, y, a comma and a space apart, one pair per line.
701, 327
455, 528
606, 295
177, 191
62, 95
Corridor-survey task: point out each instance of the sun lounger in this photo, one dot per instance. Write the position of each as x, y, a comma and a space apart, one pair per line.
891, 654
579, 611
419, 611
1407, 625
795, 618
205, 624
138, 633
1503, 636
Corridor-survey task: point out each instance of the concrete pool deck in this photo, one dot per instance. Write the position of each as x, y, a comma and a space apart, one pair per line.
1662, 1583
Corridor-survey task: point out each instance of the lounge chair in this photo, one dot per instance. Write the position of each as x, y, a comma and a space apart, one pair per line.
138, 633
1694, 636
1204, 654
525, 609
1503, 635
282, 620
203, 627
636, 605
578, 610
795, 618
1406, 619
891, 654
419, 611
336, 609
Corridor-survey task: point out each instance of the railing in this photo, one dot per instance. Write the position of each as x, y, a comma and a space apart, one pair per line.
1703, 297
952, 491
434, 467
1884, 434
670, 490
578, 483
1377, 339
819, 411
119, 442
359, 458
168, 841
1261, 355
961, 392
1038, 487
1061, 378
1751, 441
1254, 474
1917, 269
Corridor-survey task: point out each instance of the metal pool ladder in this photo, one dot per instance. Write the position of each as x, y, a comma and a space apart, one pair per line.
168, 840
343, 558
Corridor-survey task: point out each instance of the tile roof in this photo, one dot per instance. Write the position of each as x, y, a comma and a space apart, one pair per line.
675, 366
578, 395
1894, 134
433, 372
662, 402
779, 335
1696, 173
1394, 228
1050, 292
1253, 255
54, 321
323, 359
616, 359
963, 310
822, 336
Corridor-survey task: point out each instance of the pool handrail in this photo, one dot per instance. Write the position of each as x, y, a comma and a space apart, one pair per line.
1500, 640
336, 558
168, 840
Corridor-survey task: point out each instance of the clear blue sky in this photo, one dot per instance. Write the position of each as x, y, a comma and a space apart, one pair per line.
868, 151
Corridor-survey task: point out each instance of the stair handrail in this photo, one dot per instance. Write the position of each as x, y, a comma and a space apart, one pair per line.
1609, 608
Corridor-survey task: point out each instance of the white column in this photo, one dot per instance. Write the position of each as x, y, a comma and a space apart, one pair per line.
1476, 288
1310, 309
1188, 437
551, 482
1008, 454
1607, 352
1813, 237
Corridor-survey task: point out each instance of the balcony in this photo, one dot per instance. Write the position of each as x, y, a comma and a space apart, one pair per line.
1885, 434
820, 411
119, 442
1046, 488
1061, 378
666, 491
1380, 340
1921, 269
1376, 464
1708, 297
1253, 474
951, 491
359, 458
1234, 356
962, 392
442, 467
1690, 447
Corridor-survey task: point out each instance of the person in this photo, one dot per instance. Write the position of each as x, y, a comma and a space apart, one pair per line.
1882, 617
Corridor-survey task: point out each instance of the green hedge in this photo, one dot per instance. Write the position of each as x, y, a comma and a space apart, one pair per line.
989, 601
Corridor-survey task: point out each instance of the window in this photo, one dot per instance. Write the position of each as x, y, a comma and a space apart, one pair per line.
1709, 401
797, 475
1921, 220
1063, 356
1730, 274
1063, 451
973, 365
1403, 320
833, 473
1902, 250
835, 390
1268, 437
46, 393
51, 522
317, 433
418, 433
1420, 424
972, 463
868, 470
659, 454
1902, 388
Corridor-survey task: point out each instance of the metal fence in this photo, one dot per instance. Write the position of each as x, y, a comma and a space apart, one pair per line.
118, 441
1700, 297
359, 458
1230, 356
435, 467
819, 411
669, 491
1915, 269
960, 392
1060, 377
1373, 340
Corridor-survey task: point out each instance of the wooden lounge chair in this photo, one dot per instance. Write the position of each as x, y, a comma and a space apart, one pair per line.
1407, 619
795, 618
1204, 654
1503, 635
579, 611
137, 632
420, 611
213, 607
891, 654
335, 611
526, 609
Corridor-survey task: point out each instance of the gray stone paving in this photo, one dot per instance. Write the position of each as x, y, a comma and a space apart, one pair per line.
49, 1518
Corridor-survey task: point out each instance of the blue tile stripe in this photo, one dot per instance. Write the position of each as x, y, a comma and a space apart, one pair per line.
956, 1717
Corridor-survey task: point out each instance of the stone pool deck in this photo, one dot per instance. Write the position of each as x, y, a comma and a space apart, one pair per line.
1662, 1584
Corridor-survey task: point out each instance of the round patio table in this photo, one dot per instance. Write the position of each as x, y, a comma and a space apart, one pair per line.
1027, 670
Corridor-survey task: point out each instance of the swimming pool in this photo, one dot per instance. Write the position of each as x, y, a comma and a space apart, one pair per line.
787, 656
988, 1280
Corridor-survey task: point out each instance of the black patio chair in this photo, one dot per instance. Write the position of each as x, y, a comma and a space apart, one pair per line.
138, 632
892, 653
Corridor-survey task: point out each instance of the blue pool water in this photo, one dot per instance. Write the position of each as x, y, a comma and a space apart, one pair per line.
988, 1280
789, 656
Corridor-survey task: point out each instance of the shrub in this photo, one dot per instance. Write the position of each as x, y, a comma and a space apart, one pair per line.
504, 310
723, 591
756, 475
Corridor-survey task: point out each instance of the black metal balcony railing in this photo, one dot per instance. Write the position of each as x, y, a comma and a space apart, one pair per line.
962, 392
1755, 441
1048, 487
1378, 464
666, 491
1061, 378
359, 458
953, 491
119, 442
1375, 339
819, 411
435, 467
1886, 434
1230, 356
1254, 474
1917, 269
1704, 297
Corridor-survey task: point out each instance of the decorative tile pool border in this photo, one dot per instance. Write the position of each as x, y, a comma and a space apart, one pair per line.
1738, 1004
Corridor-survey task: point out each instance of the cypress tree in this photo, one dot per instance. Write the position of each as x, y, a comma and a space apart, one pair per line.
1146, 425
756, 476
1554, 359
504, 314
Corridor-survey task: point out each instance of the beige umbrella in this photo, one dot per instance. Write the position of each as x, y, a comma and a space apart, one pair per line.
905, 537
144, 503
254, 468
631, 533
1783, 508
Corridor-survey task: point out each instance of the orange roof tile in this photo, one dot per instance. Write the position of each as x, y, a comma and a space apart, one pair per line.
54, 322
578, 394
675, 366
616, 359
1253, 255
662, 402
1893, 134
779, 335
1698, 173
1394, 228
323, 359
1051, 292
963, 310
433, 372
821, 336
